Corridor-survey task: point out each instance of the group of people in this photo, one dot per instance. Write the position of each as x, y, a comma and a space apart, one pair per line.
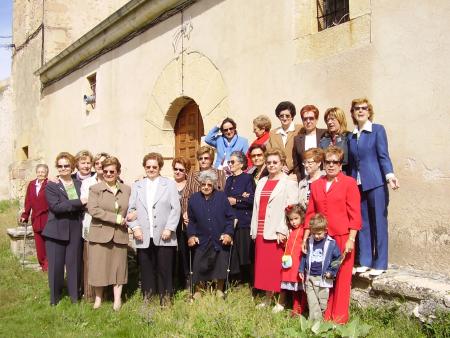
286, 214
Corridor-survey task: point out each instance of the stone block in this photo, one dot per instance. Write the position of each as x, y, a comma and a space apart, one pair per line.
18, 237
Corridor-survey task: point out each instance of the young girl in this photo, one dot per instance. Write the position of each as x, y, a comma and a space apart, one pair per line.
290, 280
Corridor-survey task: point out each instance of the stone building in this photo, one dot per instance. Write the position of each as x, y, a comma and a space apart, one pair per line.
6, 136
164, 72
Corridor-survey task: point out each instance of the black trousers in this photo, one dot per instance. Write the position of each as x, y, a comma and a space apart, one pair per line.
156, 267
60, 254
182, 257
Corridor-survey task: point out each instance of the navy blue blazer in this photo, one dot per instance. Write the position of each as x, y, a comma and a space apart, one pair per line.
63, 213
235, 186
341, 142
210, 218
370, 156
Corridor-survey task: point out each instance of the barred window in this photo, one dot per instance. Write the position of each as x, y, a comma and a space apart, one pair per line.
332, 13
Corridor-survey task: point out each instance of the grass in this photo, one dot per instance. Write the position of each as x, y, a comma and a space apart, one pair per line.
25, 312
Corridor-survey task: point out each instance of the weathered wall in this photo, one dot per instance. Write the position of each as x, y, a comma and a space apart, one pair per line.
6, 136
392, 52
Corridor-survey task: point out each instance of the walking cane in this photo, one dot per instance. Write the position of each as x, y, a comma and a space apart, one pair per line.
191, 273
24, 243
227, 282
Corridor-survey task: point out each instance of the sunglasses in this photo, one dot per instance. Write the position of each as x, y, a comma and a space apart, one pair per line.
205, 158
356, 108
63, 166
228, 129
181, 170
204, 185
257, 155
328, 162
151, 167
109, 172
272, 162
232, 162
286, 116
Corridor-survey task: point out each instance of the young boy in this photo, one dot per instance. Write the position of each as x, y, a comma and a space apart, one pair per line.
319, 266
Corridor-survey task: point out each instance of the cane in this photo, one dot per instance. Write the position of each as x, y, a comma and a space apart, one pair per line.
24, 243
227, 282
191, 273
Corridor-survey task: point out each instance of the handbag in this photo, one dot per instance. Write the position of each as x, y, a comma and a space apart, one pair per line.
286, 259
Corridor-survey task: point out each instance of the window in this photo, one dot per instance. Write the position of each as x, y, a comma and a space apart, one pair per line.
91, 95
331, 13
25, 155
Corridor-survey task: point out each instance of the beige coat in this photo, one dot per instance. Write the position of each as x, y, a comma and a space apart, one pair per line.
284, 194
101, 206
275, 141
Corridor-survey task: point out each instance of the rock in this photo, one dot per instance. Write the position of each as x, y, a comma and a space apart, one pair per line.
447, 300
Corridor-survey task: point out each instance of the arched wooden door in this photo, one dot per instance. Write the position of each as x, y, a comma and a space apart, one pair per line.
188, 132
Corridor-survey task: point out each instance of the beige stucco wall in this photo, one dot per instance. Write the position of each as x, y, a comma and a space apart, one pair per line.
6, 136
255, 51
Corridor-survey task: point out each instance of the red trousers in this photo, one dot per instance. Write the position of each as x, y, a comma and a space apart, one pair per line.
40, 250
339, 299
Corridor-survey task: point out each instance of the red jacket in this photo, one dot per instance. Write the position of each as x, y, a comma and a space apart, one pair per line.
293, 248
340, 205
37, 205
261, 140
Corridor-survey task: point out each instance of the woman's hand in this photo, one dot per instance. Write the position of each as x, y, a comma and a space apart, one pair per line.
245, 194
301, 275
232, 200
394, 183
193, 241
349, 246
137, 233
185, 218
226, 239
285, 169
23, 220
305, 247
84, 200
132, 216
281, 238
166, 234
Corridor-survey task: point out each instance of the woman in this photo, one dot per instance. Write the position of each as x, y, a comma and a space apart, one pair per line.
240, 189
268, 226
259, 169
83, 163
108, 235
336, 196
156, 201
225, 142
181, 167
36, 203
210, 228
63, 230
312, 161
371, 166
261, 128
337, 133
205, 157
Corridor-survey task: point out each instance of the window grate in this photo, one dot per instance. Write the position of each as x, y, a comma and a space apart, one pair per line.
332, 13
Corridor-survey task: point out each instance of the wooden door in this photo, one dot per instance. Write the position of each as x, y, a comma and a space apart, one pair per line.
188, 131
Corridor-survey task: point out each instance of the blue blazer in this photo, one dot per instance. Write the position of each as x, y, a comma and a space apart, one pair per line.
210, 218
214, 139
235, 186
63, 213
370, 157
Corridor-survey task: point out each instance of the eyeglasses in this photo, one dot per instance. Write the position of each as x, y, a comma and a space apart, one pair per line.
109, 172
63, 166
308, 118
305, 163
228, 129
204, 158
232, 162
328, 162
204, 185
181, 170
151, 167
356, 108
272, 162
257, 155
97, 162
286, 116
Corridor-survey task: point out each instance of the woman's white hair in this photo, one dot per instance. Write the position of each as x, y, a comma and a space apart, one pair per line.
207, 175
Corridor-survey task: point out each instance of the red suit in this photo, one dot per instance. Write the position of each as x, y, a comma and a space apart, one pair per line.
37, 205
341, 206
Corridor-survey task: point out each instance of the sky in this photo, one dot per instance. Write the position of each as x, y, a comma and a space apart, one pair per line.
5, 30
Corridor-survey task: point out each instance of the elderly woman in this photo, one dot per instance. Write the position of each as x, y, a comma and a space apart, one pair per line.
268, 226
225, 142
63, 230
336, 196
371, 166
210, 228
181, 167
312, 161
156, 201
261, 128
240, 189
205, 157
83, 163
259, 169
36, 204
337, 133
108, 235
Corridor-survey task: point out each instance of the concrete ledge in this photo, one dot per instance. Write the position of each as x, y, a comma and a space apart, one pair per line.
416, 292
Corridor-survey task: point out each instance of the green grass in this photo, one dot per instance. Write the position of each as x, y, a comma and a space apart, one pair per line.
25, 312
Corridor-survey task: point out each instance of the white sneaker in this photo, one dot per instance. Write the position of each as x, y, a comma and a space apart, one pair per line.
277, 308
361, 269
376, 272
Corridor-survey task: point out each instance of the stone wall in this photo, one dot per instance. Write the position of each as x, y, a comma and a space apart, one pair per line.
6, 137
